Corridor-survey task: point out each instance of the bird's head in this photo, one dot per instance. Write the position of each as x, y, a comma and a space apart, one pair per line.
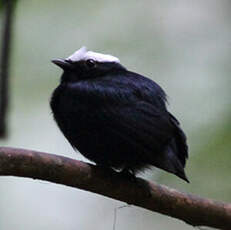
84, 64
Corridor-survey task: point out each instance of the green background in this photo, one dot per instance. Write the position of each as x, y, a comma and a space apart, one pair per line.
182, 45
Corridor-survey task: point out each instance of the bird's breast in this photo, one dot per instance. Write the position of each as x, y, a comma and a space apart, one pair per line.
72, 111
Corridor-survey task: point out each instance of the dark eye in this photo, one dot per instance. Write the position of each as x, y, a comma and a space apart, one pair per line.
90, 63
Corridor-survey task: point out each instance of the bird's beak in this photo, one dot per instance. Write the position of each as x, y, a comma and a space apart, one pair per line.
62, 63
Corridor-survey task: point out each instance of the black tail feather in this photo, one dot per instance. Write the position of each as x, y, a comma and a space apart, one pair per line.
182, 175
174, 164
170, 162
179, 142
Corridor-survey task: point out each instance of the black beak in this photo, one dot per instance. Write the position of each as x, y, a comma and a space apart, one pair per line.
62, 63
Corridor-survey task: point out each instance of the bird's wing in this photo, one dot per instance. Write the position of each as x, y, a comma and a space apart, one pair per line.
139, 116
150, 132
152, 93
132, 107
139, 123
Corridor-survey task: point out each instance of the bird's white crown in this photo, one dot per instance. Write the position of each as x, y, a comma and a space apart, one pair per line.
83, 54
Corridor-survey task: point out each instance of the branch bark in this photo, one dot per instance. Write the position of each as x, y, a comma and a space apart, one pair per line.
192, 209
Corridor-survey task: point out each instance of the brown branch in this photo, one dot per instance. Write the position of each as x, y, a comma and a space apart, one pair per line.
62, 170
9, 6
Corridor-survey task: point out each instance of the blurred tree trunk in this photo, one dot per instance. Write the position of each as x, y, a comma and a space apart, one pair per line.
7, 8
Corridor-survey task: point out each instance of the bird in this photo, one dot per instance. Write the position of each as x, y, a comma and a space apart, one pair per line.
115, 117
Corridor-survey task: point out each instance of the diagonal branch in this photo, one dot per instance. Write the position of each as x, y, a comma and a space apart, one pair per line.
192, 209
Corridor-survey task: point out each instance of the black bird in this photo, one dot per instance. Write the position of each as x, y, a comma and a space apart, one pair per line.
115, 117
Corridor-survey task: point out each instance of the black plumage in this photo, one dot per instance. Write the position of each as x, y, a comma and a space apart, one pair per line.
117, 118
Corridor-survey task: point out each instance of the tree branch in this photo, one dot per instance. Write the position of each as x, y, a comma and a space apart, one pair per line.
192, 209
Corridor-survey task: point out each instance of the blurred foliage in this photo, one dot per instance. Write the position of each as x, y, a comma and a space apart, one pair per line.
182, 45
1, 5
213, 164
4, 2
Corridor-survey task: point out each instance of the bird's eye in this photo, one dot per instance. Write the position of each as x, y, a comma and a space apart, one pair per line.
90, 63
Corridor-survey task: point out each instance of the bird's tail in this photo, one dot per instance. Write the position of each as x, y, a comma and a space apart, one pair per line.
174, 164
177, 149
174, 157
